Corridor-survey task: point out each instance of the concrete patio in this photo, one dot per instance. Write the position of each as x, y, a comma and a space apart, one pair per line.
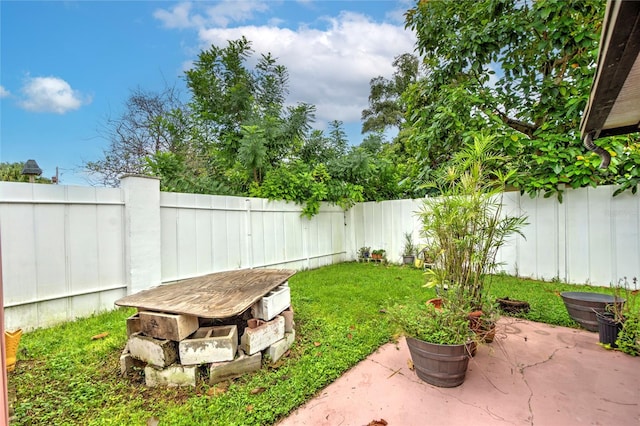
532, 374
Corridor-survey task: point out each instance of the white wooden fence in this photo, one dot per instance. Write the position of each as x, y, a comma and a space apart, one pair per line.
589, 238
71, 251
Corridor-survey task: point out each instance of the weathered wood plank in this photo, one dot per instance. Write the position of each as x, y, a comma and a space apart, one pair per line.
219, 295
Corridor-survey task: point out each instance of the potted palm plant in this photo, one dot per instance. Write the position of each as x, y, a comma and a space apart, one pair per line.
465, 225
409, 250
439, 342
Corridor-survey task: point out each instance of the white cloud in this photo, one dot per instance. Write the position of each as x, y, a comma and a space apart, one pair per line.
221, 14
50, 94
4, 92
331, 67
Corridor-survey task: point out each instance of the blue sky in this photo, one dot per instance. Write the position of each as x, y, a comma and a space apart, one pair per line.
66, 67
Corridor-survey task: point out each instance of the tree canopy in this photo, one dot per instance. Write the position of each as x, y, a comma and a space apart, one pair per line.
521, 70
237, 135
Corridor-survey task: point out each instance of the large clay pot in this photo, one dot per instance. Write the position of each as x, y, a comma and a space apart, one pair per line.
440, 365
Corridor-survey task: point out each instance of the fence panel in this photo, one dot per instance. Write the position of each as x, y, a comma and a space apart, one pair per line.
63, 252
592, 237
64, 248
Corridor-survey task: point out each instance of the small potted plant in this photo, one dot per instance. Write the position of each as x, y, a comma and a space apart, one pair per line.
364, 253
439, 341
378, 254
409, 251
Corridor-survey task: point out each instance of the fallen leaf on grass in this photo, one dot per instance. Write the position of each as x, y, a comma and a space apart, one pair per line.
349, 336
100, 336
256, 391
249, 408
316, 344
153, 421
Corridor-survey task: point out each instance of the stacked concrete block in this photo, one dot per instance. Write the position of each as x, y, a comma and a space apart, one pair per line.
133, 324
274, 302
173, 375
256, 339
288, 320
241, 365
167, 326
157, 352
179, 350
209, 344
128, 363
281, 347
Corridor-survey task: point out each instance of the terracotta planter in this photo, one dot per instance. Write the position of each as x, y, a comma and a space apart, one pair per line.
436, 302
440, 365
483, 328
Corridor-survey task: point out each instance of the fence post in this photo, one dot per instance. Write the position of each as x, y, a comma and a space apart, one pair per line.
143, 257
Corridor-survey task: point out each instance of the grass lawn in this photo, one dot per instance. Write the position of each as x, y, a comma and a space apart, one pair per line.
65, 377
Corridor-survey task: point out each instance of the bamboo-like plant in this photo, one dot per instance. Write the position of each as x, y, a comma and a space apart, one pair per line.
465, 225
409, 246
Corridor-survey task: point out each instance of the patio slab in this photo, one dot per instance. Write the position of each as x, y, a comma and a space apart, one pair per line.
532, 374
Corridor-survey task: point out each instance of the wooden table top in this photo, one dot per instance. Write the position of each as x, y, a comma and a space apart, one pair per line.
218, 295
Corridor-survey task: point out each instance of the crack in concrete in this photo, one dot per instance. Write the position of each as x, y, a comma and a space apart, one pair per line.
521, 370
415, 379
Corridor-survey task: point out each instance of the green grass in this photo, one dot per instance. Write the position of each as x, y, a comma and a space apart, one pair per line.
63, 377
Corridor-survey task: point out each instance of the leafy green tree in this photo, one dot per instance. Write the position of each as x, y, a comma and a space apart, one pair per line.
244, 112
177, 176
386, 109
519, 69
253, 152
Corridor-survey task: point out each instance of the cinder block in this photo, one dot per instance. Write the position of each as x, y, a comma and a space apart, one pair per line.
133, 324
256, 339
157, 352
280, 347
289, 324
167, 326
209, 344
274, 302
173, 375
221, 371
129, 363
